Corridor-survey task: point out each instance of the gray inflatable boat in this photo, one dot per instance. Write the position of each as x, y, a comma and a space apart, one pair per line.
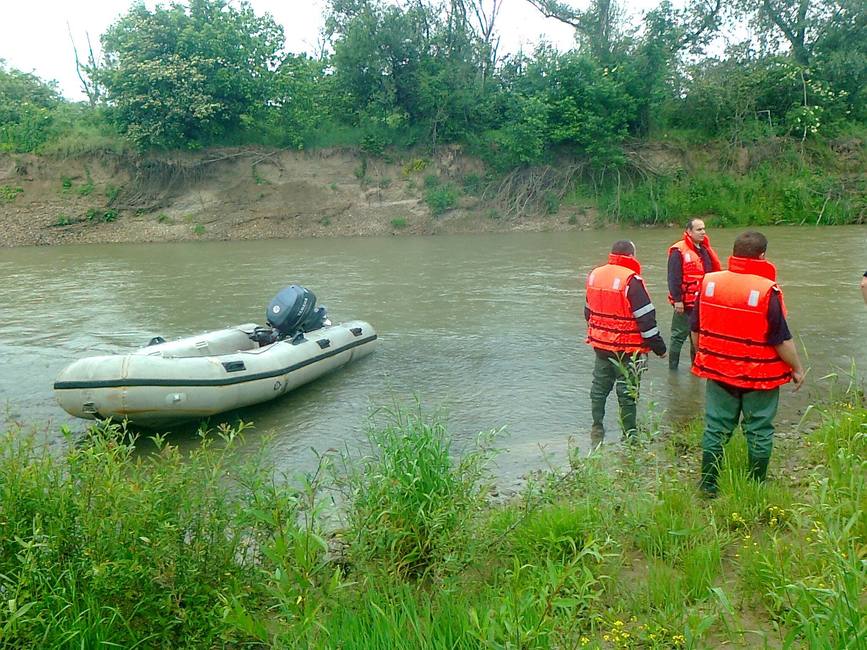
203, 375
217, 371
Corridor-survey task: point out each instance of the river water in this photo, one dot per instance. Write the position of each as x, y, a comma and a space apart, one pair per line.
486, 329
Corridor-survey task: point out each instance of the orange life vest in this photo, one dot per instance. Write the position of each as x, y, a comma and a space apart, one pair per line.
733, 321
693, 268
611, 325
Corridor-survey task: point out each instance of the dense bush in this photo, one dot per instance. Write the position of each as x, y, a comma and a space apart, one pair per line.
27, 106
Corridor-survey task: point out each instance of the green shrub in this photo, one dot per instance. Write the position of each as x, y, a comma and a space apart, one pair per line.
472, 184
441, 198
398, 222
373, 143
551, 202
9, 193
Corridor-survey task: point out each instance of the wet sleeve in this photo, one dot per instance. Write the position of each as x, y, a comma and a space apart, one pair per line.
645, 315
778, 329
694, 317
675, 275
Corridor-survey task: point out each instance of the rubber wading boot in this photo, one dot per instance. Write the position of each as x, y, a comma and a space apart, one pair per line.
597, 435
759, 468
709, 472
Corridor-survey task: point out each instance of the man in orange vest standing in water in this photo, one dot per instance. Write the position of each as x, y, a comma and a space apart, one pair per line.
621, 328
688, 260
745, 351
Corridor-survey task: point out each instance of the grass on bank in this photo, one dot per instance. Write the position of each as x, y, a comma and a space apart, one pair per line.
103, 544
766, 182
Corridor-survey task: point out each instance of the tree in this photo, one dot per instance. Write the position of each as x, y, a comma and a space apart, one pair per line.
598, 27
425, 64
27, 104
300, 97
182, 75
801, 23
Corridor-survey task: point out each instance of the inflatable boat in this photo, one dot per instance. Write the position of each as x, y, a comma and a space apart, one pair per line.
200, 376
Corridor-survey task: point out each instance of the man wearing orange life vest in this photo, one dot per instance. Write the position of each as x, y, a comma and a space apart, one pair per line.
621, 328
688, 260
745, 351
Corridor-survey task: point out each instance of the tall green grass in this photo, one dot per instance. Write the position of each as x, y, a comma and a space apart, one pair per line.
409, 498
785, 182
768, 195
104, 544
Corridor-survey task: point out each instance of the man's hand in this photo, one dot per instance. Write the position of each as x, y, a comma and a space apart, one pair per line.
798, 378
661, 356
789, 354
678, 307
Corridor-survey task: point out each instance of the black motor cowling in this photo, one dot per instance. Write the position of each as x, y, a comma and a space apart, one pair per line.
293, 310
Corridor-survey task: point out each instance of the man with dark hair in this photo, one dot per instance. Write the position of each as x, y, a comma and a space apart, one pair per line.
688, 260
745, 351
621, 328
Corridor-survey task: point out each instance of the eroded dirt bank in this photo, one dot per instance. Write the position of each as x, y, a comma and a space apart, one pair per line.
247, 193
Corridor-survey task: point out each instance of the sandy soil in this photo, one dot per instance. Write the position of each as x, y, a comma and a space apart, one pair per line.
245, 193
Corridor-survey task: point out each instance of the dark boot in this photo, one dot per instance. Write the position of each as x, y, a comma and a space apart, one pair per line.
597, 435
759, 468
673, 358
710, 463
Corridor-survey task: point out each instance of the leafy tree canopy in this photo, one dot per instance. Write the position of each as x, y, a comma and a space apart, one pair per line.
26, 102
186, 74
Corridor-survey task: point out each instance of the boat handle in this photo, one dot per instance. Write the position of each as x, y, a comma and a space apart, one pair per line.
234, 366
356, 331
324, 343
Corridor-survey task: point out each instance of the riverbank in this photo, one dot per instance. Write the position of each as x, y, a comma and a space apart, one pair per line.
250, 193
114, 195
617, 552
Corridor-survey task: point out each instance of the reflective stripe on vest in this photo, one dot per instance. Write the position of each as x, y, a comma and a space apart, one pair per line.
693, 272
612, 325
732, 341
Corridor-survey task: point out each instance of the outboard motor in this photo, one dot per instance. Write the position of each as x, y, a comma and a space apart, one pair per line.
291, 313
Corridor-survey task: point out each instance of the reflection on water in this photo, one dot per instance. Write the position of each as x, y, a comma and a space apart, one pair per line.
486, 328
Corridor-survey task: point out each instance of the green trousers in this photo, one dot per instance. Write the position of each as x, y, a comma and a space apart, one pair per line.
623, 373
724, 410
679, 334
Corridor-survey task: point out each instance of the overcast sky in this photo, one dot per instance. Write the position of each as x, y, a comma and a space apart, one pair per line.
34, 35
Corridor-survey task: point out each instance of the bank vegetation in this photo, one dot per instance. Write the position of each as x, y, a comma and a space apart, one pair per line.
401, 543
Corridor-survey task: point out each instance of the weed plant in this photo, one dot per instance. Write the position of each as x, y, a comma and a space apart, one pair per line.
408, 499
